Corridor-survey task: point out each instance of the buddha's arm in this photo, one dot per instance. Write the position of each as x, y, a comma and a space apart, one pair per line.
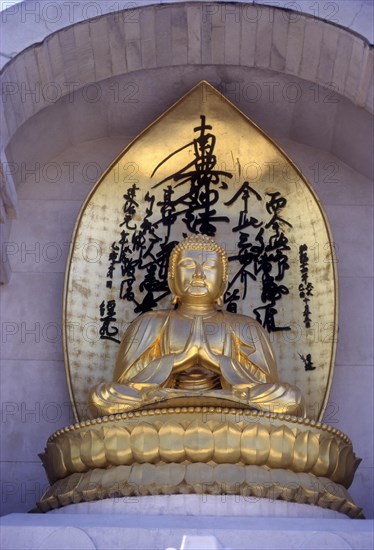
235, 367
233, 364
144, 356
140, 345
247, 356
263, 355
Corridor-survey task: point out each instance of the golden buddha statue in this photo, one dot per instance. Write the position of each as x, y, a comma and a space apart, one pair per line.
196, 350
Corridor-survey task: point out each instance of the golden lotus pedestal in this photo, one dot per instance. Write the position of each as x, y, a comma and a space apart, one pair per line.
201, 450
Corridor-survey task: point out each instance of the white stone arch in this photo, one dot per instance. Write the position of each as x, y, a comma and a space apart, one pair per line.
275, 51
41, 19
188, 33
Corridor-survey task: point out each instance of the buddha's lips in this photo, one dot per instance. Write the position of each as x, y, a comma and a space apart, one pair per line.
197, 284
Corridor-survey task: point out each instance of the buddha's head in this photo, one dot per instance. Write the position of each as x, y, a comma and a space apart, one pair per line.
198, 271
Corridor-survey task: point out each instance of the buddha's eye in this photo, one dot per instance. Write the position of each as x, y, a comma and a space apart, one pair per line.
209, 264
187, 263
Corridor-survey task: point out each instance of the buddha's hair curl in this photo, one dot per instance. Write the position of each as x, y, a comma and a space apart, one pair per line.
199, 242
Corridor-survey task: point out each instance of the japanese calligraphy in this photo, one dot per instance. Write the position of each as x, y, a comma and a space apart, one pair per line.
107, 317
189, 196
307, 360
305, 287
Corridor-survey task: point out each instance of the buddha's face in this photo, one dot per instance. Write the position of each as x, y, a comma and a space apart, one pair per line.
198, 277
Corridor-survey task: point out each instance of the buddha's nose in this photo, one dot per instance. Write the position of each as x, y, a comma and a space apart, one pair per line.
199, 272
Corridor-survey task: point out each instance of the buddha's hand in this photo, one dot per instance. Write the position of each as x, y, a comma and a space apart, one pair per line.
196, 351
189, 356
209, 360
205, 356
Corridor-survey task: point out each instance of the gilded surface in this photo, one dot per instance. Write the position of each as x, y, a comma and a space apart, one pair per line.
201, 450
196, 349
265, 214
205, 479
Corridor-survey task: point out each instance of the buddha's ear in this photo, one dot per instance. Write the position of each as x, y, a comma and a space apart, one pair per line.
219, 301
174, 297
171, 286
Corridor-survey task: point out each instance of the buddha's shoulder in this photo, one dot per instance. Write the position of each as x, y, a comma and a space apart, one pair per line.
248, 329
238, 318
156, 317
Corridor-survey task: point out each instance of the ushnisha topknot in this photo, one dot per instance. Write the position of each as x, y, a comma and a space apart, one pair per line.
196, 242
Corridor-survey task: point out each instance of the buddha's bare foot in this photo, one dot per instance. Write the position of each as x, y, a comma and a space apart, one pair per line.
241, 391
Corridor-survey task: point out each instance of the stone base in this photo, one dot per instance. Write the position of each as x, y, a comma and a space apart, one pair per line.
164, 531
200, 505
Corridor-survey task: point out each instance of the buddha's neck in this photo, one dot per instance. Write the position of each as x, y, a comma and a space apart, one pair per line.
192, 310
